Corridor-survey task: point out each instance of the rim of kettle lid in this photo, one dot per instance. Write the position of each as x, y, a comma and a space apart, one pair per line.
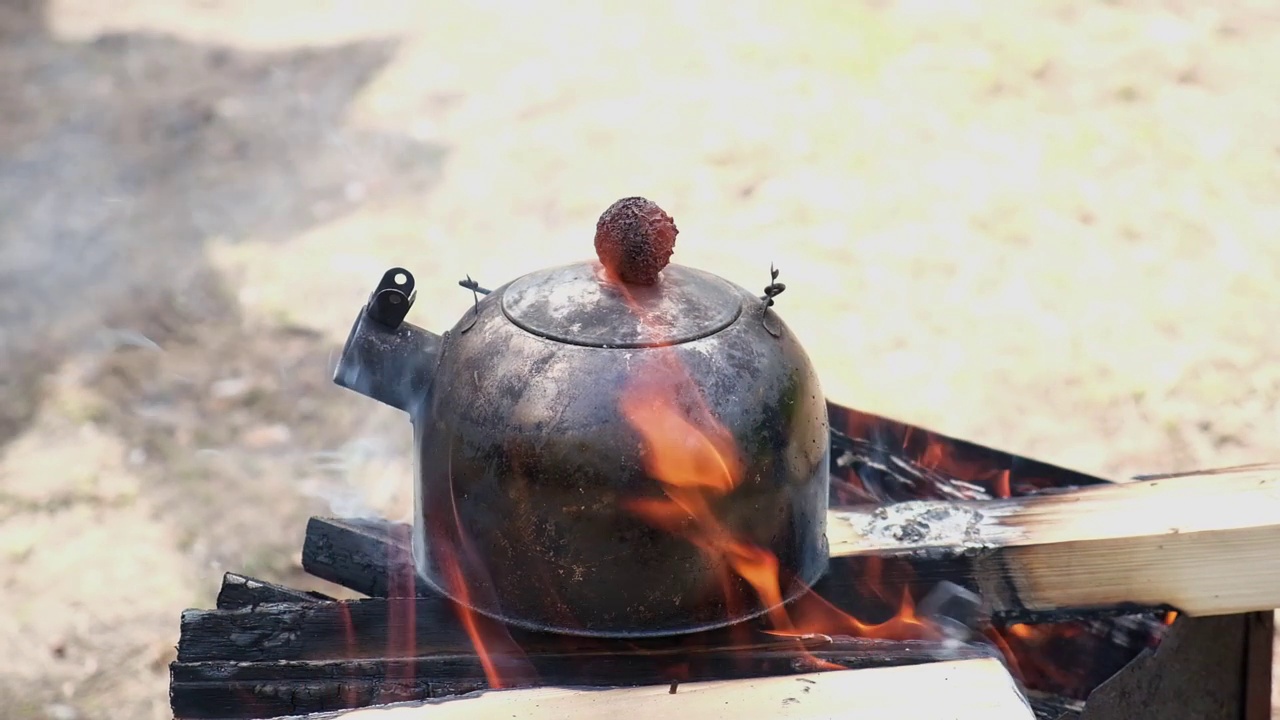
584, 304
631, 297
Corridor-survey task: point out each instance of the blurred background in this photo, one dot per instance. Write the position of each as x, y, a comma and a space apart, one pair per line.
1049, 227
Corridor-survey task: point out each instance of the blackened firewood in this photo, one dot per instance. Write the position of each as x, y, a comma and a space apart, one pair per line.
206, 696
239, 591
877, 461
373, 557
245, 690
342, 629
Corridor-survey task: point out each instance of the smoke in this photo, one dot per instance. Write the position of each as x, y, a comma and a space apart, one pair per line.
368, 477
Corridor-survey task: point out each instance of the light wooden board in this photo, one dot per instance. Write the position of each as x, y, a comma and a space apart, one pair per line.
1205, 543
962, 690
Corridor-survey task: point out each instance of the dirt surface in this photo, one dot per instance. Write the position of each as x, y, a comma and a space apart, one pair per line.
1048, 227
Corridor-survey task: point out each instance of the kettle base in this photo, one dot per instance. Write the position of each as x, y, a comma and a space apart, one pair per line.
794, 590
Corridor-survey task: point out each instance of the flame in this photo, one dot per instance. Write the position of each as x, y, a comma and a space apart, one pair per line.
696, 462
349, 693
402, 611
1010, 657
489, 638
1068, 658
936, 455
1046, 656
813, 615
1024, 632
1002, 485
471, 623
694, 458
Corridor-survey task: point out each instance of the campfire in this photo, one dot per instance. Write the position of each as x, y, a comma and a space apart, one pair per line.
633, 497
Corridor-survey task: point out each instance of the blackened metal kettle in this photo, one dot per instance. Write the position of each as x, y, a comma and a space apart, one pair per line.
617, 447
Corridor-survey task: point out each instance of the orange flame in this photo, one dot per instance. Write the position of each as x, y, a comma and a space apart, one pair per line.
402, 613
471, 623
489, 638
349, 693
696, 460
1029, 651
1002, 485
1022, 631
936, 457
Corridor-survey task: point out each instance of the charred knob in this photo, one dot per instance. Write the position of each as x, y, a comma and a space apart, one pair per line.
635, 239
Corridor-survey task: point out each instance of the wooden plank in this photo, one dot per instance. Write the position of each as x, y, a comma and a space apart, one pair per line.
963, 690
1205, 543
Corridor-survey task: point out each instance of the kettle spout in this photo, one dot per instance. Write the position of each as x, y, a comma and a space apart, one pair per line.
386, 358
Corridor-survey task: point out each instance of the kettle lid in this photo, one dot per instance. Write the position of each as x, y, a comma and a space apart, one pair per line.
631, 297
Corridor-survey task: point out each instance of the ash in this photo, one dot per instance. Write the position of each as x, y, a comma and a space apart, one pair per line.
926, 524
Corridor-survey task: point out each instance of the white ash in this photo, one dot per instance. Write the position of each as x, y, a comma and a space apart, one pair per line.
918, 524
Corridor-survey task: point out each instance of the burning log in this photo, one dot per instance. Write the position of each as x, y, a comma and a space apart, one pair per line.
225, 689
310, 657
376, 628
306, 655
964, 690
1201, 543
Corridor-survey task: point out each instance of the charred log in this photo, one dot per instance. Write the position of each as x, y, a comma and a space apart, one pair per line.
239, 591
412, 627
372, 557
228, 689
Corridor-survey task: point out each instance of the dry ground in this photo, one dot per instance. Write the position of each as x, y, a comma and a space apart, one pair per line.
1052, 227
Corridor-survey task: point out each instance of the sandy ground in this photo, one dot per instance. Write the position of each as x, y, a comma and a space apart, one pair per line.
1051, 227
